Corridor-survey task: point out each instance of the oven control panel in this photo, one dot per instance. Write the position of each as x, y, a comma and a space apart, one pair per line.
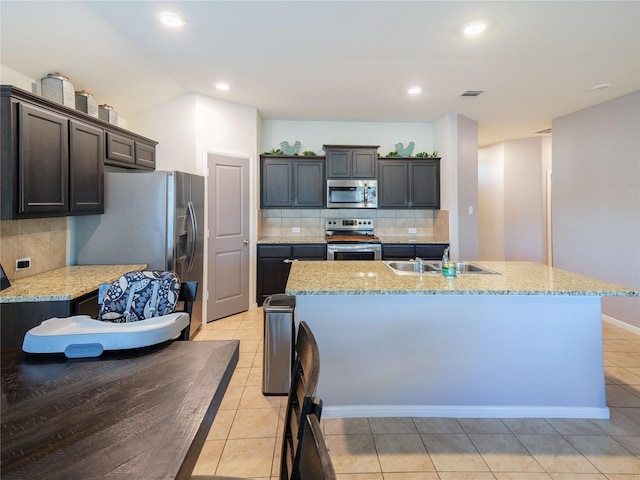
349, 224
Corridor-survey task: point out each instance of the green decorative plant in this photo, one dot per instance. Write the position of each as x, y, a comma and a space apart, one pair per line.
273, 152
433, 154
392, 154
309, 153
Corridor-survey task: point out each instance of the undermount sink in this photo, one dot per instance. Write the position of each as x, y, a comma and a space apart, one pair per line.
412, 267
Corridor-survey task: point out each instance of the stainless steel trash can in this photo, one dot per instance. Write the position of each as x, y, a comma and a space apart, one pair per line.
279, 333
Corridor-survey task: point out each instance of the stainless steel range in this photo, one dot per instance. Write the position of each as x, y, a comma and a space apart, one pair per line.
351, 239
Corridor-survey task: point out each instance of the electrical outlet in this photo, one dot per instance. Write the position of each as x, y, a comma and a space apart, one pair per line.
295, 229
22, 263
412, 230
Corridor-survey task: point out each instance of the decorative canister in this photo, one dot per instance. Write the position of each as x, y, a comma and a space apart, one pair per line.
86, 102
58, 88
108, 114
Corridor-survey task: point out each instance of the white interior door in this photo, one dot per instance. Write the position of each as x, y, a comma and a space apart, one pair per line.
228, 242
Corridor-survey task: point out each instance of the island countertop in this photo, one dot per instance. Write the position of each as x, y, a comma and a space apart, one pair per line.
64, 283
375, 278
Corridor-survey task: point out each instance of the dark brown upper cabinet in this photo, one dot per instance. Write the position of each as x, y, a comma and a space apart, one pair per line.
53, 157
409, 183
351, 161
287, 182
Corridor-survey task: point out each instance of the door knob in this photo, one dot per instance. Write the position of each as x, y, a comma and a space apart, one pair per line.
246, 242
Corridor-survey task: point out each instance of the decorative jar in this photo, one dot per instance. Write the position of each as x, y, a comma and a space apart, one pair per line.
87, 103
108, 114
58, 88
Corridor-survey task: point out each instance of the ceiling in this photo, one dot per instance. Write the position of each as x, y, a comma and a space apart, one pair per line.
338, 60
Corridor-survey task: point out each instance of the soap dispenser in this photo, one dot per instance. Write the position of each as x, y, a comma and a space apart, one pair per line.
448, 267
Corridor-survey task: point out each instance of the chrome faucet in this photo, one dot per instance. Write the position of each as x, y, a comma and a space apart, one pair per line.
420, 264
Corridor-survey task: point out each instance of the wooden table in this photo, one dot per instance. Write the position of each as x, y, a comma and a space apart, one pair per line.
140, 414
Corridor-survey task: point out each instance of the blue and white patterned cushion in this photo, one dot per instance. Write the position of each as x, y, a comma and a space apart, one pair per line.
138, 288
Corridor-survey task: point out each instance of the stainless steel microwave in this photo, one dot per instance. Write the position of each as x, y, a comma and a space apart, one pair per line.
352, 193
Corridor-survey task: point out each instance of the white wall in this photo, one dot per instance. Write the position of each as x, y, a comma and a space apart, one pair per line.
457, 141
192, 124
523, 214
467, 178
173, 126
314, 134
512, 200
9, 76
596, 197
491, 202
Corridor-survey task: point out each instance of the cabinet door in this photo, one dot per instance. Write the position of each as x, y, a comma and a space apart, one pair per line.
86, 160
398, 251
43, 149
431, 251
276, 179
272, 270
338, 163
145, 156
364, 164
308, 180
425, 183
86, 305
120, 150
310, 251
393, 184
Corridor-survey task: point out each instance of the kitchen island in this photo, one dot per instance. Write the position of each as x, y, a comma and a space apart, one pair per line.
525, 342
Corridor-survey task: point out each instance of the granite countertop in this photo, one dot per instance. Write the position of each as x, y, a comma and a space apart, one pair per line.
64, 283
292, 239
375, 278
321, 239
410, 239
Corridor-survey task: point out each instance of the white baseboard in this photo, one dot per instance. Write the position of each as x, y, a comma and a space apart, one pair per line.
623, 325
466, 411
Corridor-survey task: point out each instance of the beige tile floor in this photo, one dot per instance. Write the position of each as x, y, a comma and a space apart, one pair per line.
245, 438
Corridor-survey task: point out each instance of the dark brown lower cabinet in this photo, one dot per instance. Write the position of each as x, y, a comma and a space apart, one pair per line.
274, 264
408, 251
19, 318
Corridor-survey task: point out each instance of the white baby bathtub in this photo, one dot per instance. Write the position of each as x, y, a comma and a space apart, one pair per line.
82, 336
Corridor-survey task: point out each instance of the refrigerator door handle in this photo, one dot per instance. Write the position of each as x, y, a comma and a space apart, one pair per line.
194, 237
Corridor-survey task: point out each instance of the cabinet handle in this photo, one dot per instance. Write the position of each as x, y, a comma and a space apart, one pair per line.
290, 260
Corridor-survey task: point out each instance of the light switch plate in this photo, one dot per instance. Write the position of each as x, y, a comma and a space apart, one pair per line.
295, 229
412, 230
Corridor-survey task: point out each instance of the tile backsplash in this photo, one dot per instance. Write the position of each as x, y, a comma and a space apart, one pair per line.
42, 239
310, 222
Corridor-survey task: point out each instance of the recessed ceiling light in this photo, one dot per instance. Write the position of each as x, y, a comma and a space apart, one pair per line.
414, 90
171, 19
601, 86
473, 29
222, 86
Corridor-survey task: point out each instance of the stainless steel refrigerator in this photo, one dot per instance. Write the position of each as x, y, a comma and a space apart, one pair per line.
155, 218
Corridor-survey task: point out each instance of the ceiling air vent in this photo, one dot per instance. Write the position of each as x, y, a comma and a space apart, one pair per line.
546, 130
470, 93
